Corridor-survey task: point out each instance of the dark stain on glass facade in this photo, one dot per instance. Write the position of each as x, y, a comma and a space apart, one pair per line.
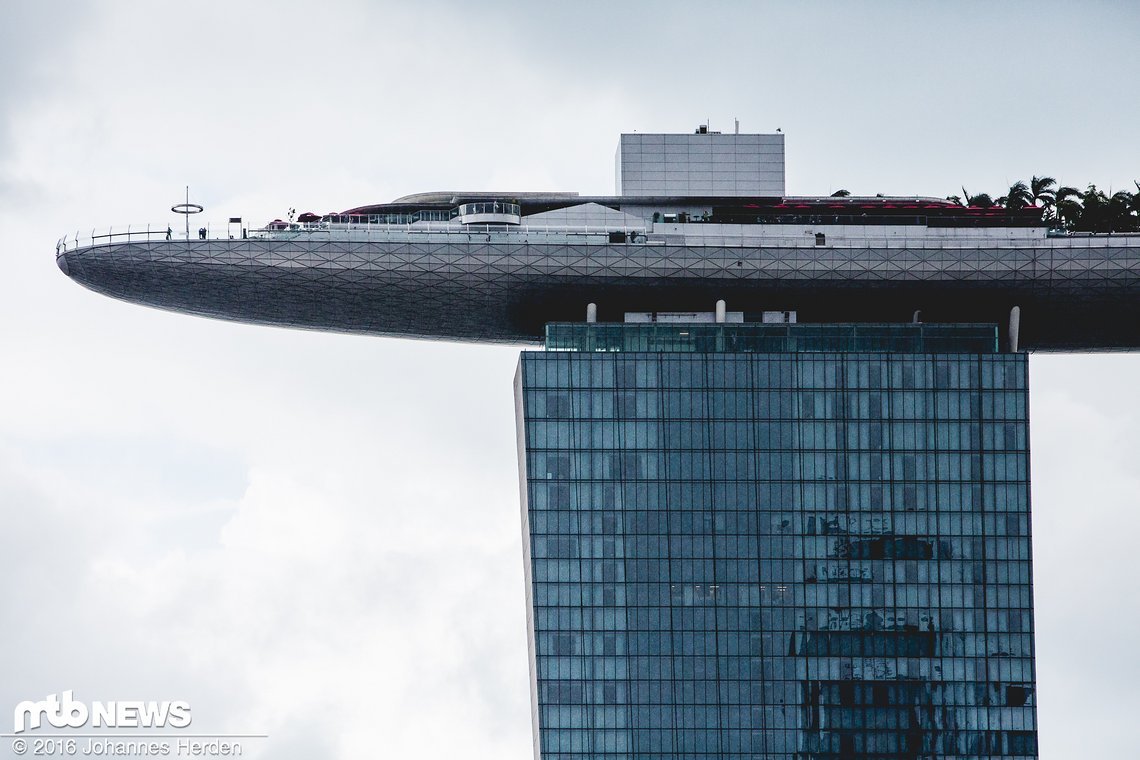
812, 553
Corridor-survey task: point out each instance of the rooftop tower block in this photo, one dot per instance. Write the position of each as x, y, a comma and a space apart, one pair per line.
703, 164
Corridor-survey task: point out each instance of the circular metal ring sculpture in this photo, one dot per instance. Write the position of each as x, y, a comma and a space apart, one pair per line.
186, 209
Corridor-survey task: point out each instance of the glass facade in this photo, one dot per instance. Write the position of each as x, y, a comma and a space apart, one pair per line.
753, 337
791, 554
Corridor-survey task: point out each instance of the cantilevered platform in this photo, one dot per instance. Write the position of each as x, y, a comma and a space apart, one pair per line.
503, 283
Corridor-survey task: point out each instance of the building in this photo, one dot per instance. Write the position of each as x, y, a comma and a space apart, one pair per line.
709, 165
796, 529
777, 541
499, 266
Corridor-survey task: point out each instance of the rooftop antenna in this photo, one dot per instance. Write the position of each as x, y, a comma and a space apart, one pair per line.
737, 131
186, 209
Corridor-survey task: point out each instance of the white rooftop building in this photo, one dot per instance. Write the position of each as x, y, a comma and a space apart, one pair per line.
701, 164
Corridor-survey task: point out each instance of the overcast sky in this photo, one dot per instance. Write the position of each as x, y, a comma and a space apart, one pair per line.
317, 536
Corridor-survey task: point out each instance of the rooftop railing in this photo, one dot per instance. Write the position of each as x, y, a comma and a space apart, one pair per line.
145, 233
727, 236
355, 231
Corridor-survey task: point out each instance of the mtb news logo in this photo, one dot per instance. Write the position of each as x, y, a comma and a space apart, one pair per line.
63, 711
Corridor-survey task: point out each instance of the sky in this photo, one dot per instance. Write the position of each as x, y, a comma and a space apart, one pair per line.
316, 537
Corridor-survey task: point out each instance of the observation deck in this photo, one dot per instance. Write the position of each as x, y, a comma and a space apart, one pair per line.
488, 212
440, 278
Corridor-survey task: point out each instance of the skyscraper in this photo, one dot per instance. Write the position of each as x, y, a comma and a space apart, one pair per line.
777, 541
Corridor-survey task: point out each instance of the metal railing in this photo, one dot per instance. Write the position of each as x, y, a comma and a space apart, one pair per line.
144, 233
730, 236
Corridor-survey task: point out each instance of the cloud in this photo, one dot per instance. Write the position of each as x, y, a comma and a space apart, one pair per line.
36, 41
1085, 490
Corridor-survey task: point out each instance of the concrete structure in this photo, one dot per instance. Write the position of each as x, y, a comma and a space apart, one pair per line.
705, 163
503, 283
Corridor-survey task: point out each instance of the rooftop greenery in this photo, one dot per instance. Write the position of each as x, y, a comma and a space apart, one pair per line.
1090, 210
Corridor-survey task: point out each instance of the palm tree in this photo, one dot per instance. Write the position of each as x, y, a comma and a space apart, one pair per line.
1119, 212
1041, 188
1017, 197
1068, 207
1094, 210
981, 200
